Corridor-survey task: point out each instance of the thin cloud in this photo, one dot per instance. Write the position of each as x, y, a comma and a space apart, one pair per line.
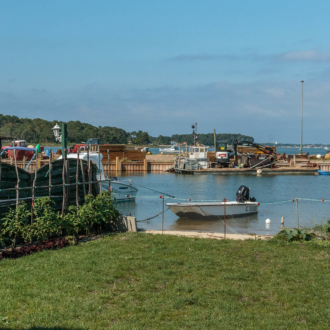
203, 57
227, 57
38, 90
311, 55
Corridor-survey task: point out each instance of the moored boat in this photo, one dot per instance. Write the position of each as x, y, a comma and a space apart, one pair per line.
172, 150
324, 169
122, 191
244, 205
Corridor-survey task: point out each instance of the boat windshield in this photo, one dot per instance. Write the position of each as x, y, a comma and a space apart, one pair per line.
94, 141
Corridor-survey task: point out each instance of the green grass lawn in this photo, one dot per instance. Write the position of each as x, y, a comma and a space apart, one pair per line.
141, 281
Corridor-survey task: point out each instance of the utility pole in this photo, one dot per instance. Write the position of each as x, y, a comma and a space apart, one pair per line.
302, 104
194, 127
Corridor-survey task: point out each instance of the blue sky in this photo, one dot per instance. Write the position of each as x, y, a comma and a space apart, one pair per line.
159, 66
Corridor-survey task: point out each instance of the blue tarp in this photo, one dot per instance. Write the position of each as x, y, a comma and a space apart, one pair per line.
20, 148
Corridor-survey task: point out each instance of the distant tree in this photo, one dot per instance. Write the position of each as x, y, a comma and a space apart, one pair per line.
162, 140
141, 138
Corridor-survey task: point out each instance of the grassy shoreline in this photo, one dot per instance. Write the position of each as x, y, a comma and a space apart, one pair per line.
141, 281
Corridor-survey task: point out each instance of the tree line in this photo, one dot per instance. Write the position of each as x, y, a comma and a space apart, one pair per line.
207, 139
40, 131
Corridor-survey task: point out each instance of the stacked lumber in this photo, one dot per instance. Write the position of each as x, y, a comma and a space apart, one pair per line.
120, 150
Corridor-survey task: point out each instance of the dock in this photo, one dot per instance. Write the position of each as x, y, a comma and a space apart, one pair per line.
269, 171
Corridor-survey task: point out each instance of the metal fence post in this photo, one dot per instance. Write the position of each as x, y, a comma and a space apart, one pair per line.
163, 216
297, 213
225, 222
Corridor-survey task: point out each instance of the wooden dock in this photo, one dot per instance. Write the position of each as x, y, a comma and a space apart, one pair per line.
116, 165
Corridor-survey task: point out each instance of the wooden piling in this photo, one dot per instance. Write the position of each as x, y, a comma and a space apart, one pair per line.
18, 179
83, 177
118, 165
34, 183
145, 165
89, 173
100, 173
50, 176
109, 168
77, 180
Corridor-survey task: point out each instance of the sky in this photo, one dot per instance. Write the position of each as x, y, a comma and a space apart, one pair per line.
159, 66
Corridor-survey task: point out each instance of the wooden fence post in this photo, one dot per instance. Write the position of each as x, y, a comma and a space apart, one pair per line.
18, 180
34, 183
109, 169
89, 173
77, 180
50, 176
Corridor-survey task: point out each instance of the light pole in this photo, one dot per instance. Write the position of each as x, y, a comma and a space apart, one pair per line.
302, 103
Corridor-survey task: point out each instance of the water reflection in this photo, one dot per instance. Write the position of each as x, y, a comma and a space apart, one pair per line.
233, 225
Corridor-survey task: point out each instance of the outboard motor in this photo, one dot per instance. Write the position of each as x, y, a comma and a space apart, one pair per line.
243, 195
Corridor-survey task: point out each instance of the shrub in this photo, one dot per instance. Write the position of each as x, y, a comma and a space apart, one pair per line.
95, 215
293, 235
16, 223
45, 221
327, 227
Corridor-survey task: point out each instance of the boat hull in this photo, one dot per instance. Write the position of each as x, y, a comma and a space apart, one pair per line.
213, 210
324, 172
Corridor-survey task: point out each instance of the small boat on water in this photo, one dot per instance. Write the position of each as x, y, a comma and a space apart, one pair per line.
324, 169
244, 205
123, 191
172, 150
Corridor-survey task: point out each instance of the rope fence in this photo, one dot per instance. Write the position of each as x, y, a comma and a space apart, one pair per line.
288, 213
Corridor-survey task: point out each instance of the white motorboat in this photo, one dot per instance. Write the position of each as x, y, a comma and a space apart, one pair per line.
172, 150
122, 191
244, 205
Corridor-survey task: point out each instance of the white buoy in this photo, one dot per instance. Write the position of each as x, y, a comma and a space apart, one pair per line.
259, 171
267, 221
318, 156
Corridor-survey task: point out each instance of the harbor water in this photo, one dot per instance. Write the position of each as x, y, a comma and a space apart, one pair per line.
274, 192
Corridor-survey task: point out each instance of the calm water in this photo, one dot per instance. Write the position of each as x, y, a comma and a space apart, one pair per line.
270, 191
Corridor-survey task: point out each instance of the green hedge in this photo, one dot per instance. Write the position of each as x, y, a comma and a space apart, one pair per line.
94, 216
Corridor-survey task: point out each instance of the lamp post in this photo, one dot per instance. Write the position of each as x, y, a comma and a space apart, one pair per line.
302, 103
57, 132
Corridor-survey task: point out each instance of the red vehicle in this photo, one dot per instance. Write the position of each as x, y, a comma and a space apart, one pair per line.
20, 154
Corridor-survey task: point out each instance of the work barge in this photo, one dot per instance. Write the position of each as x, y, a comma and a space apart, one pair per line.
246, 159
